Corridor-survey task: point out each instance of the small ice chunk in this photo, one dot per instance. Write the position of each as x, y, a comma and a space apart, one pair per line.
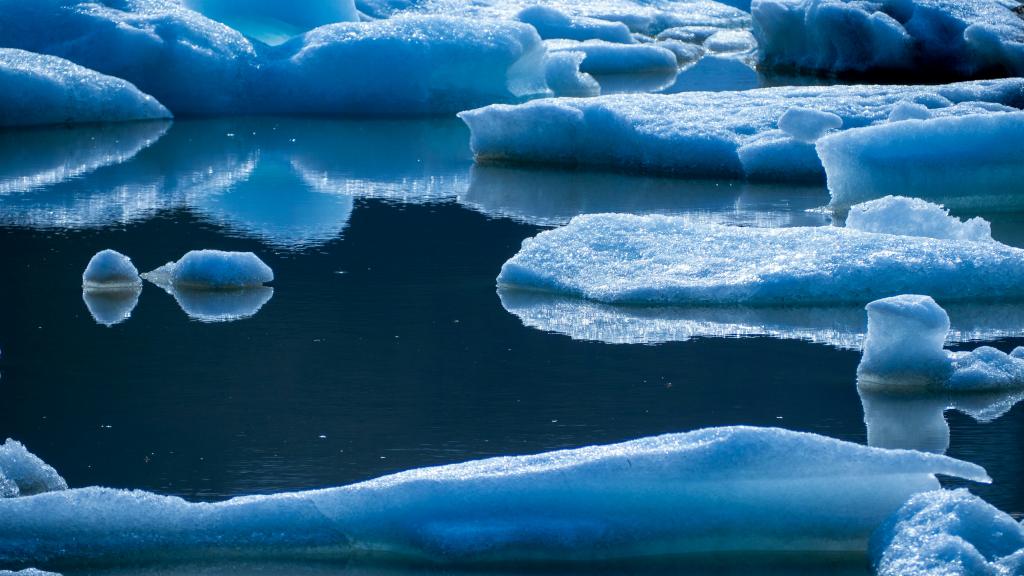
904, 350
24, 474
553, 23
110, 270
565, 79
730, 41
213, 270
948, 533
689, 34
909, 111
915, 217
964, 161
685, 53
612, 58
807, 125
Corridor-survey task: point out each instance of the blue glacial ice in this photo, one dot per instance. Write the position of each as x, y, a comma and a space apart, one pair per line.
110, 270
273, 21
27, 572
551, 22
904, 351
962, 38
213, 270
719, 490
40, 90
628, 259
916, 217
710, 134
24, 474
962, 161
603, 58
197, 66
948, 533
563, 76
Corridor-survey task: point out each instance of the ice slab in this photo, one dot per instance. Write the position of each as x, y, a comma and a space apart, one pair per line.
551, 22
22, 473
944, 38
272, 21
904, 350
564, 78
948, 533
41, 89
719, 490
714, 134
602, 57
915, 217
110, 270
627, 259
961, 161
730, 41
213, 270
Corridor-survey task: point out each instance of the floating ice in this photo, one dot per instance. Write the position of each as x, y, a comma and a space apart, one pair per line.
39, 89
964, 38
948, 533
909, 111
685, 53
24, 474
27, 572
565, 79
611, 58
213, 270
915, 217
904, 350
110, 270
702, 133
110, 307
964, 161
719, 490
807, 125
273, 21
552, 23
729, 41
620, 258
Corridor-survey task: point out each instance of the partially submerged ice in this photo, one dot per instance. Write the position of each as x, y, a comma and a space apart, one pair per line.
602, 58
734, 134
110, 270
948, 533
945, 38
551, 22
904, 350
719, 490
964, 161
916, 217
213, 270
626, 259
40, 90
24, 474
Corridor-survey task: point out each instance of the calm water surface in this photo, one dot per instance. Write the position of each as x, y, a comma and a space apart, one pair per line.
384, 345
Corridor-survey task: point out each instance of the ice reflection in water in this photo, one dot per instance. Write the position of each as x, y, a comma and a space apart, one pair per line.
110, 307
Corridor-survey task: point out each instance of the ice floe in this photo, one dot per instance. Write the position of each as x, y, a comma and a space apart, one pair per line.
602, 58
553, 23
40, 90
27, 572
628, 259
944, 38
719, 490
24, 474
213, 270
962, 161
904, 350
110, 270
915, 217
948, 533
735, 134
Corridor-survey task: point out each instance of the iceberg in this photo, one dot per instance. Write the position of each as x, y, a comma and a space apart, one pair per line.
944, 38
272, 21
22, 473
213, 270
40, 90
965, 163
627, 259
110, 270
553, 23
904, 350
723, 134
718, 490
948, 533
916, 217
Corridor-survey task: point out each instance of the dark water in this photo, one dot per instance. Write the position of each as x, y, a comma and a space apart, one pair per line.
385, 345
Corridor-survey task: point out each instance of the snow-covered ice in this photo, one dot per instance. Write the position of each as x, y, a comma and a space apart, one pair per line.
24, 474
948, 533
904, 350
963, 161
213, 270
730, 41
40, 89
602, 57
915, 217
273, 21
723, 490
621, 258
564, 77
110, 270
943, 38
719, 134
807, 124
551, 22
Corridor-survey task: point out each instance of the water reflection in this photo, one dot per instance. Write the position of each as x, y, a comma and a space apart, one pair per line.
716, 74
221, 305
917, 421
110, 307
842, 327
550, 197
